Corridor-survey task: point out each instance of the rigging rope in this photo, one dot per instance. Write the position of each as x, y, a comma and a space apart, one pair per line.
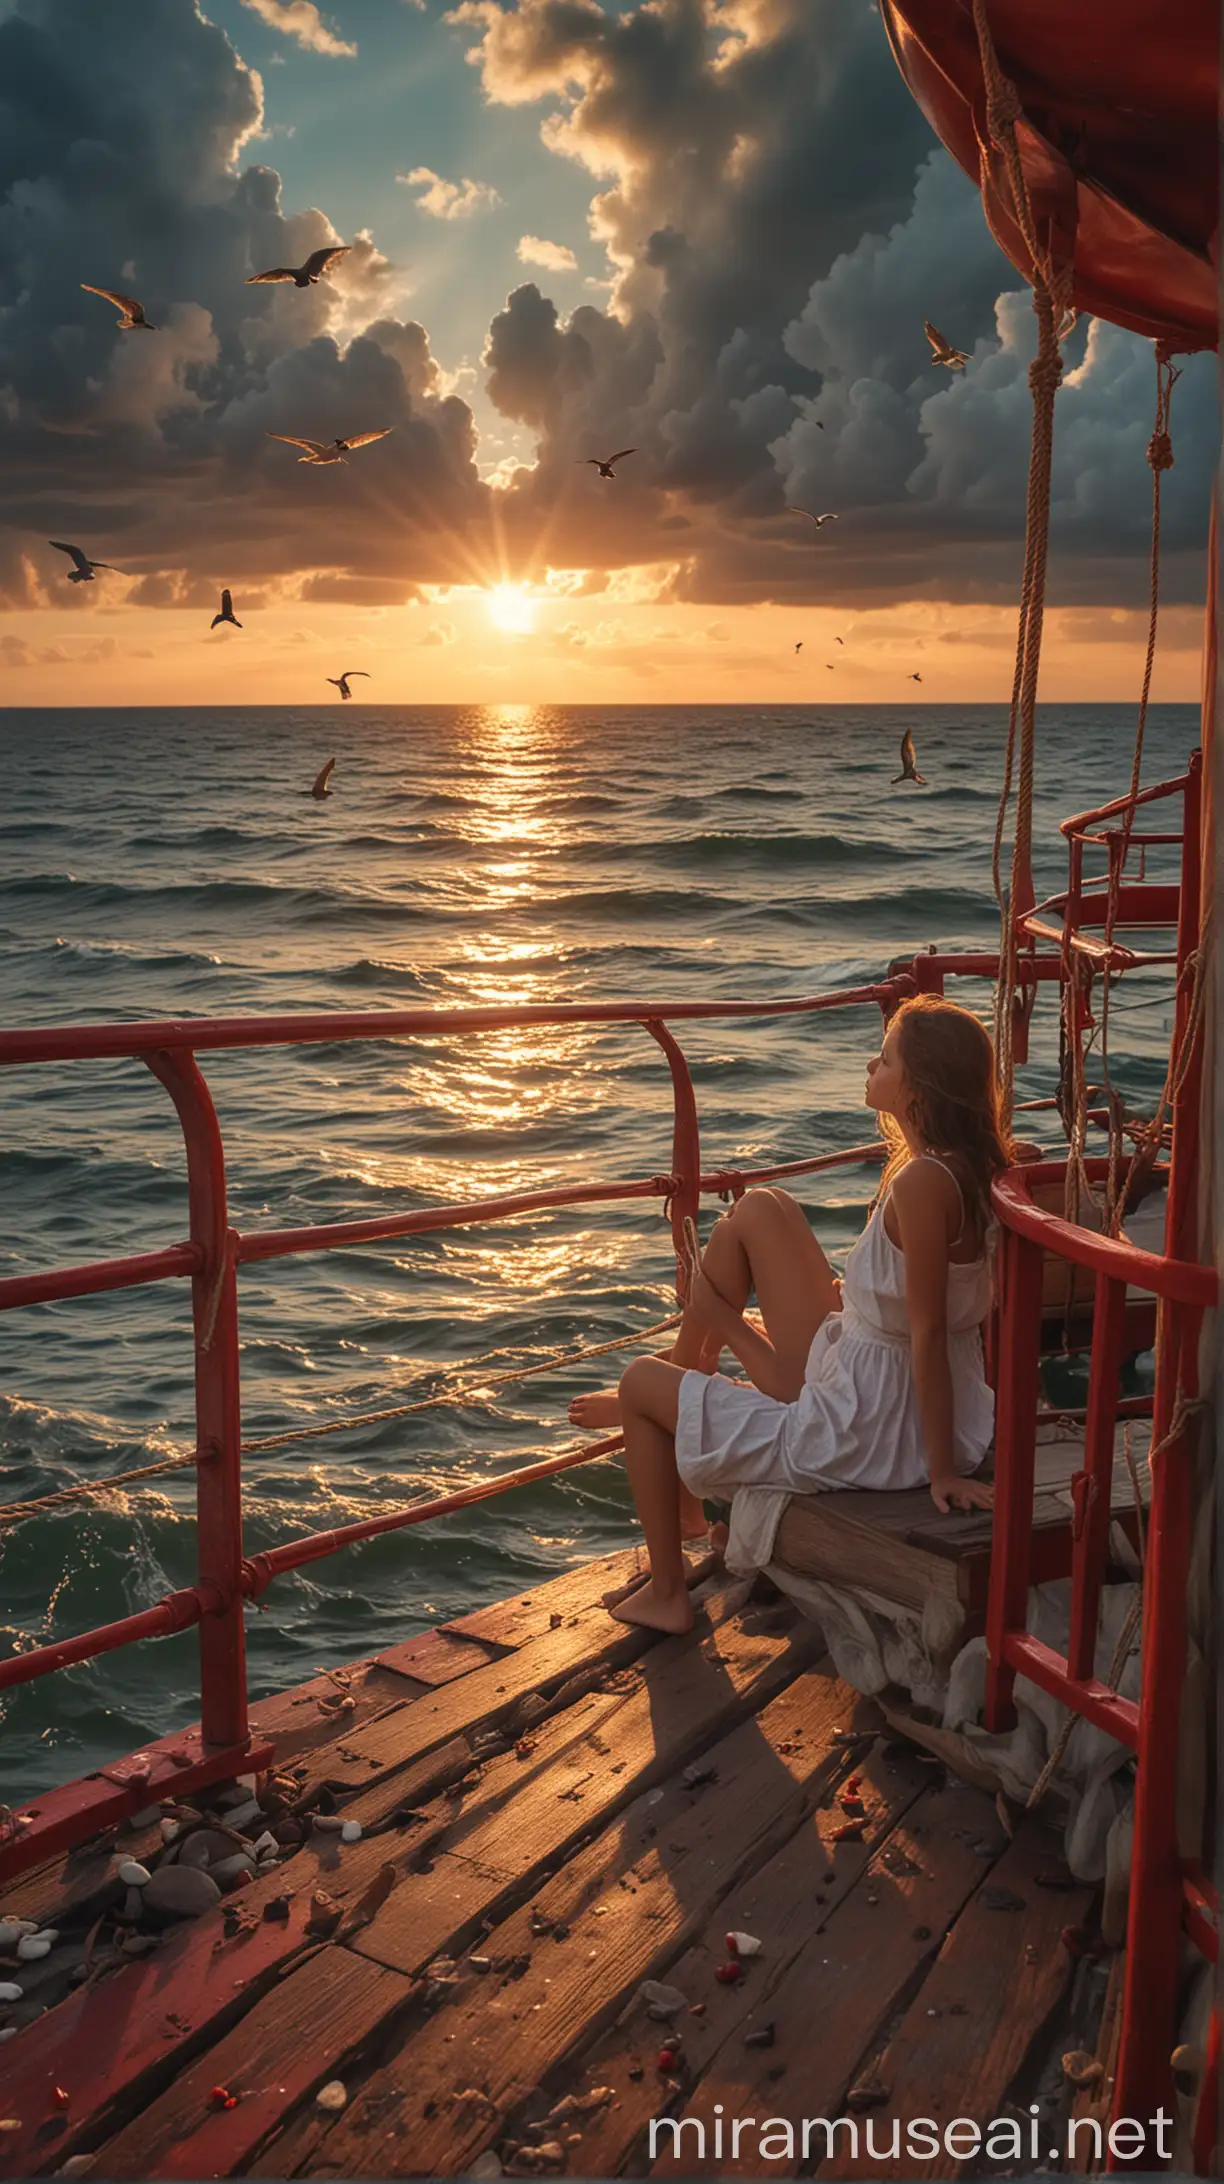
15, 1512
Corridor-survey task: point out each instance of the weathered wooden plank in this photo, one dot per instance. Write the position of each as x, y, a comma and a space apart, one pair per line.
785, 1904
489, 1696
436, 1657
124, 2036
621, 1908
305, 1720
1094, 2102
834, 2000
690, 1690
66, 1887
527, 1615
301, 2034
993, 1989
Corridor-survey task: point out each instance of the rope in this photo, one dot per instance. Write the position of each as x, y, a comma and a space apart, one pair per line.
15, 1512
1051, 304
1184, 1408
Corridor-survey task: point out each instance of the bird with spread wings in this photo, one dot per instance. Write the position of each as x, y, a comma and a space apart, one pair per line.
329, 451
909, 763
302, 276
944, 351
131, 313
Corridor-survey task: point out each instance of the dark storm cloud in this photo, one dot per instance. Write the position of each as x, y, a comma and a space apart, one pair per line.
120, 127
782, 226
779, 226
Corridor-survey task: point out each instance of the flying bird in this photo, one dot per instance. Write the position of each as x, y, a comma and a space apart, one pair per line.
341, 682
329, 451
227, 613
82, 571
831, 516
604, 463
942, 350
915, 678
829, 665
130, 312
320, 788
839, 640
909, 768
799, 646
303, 276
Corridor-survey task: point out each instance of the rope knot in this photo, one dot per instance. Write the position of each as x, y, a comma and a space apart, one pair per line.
1045, 375
1160, 451
1003, 109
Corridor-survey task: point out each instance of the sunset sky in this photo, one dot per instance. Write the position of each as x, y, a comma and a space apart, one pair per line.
706, 229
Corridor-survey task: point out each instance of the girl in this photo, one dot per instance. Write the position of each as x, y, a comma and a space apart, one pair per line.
879, 1387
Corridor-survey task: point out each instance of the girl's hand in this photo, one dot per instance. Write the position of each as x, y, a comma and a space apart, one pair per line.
953, 1492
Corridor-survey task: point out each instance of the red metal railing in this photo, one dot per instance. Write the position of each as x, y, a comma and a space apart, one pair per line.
226, 1578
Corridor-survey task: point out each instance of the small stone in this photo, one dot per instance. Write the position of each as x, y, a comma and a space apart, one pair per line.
11, 1931
276, 1908
288, 1833
481, 1963
33, 1946
241, 1816
9, 1991
763, 2036
743, 1945
232, 1872
662, 2001
728, 1973
194, 1852
266, 1845
179, 1892
137, 1945
327, 1823
697, 1773
148, 1817
8, 2032
331, 2096
668, 2058
77, 2165
171, 1831
869, 2093
351, 1831
485, 2167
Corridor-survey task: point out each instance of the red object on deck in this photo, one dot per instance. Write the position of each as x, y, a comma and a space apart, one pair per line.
1117, 137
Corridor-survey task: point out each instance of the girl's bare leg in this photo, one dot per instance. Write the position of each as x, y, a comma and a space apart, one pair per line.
763, 1246
650, 1394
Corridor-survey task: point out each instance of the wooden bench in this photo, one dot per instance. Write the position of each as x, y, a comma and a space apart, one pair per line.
898, 1547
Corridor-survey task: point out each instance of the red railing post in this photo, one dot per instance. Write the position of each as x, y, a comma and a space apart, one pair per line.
686, 1150
1094, 1499
214, 1299
1015, 1454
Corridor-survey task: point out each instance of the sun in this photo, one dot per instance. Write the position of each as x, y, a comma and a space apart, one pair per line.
512, 608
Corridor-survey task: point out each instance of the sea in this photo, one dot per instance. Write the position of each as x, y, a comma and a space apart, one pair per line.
174, 864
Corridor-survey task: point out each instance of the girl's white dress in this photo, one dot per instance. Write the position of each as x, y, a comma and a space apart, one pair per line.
855, 1422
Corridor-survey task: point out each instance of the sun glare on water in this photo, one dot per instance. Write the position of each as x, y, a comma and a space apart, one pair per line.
511, 608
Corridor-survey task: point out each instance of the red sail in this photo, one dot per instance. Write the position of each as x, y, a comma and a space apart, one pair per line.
1118, 139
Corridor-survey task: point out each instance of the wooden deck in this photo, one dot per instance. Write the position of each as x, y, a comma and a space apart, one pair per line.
554, 1809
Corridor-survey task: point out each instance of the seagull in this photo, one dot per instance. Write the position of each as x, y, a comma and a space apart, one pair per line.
341, 682
915, 678
839, 640
799, 646
329, 451
82, 571
131, 312
829, 665
320, 788
909, 769
227, 613
603, 463
303, 276
942, 350
831, 517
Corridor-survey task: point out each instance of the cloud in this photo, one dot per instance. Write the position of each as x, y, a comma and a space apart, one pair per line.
554, 257
300, 19
439, 633
151, 450
444, 200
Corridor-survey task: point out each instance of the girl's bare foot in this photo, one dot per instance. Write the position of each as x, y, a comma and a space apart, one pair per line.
671, 1611
719, 1535
613, 1597
600, 1408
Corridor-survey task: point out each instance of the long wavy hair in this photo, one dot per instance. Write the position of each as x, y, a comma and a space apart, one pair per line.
953, 1099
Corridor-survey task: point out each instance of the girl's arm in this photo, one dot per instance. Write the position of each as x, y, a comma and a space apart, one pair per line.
754, 1350
920, 1200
